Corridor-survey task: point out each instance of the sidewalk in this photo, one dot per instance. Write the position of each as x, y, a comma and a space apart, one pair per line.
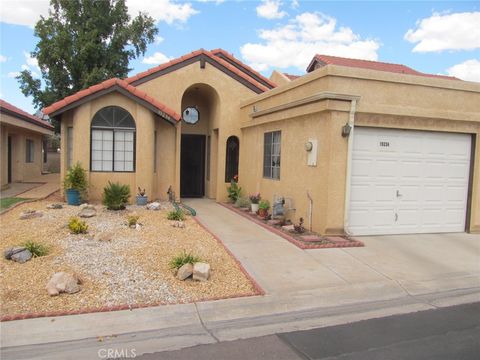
36, 188
304, 289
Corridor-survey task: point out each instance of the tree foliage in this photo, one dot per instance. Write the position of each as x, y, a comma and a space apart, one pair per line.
82, 43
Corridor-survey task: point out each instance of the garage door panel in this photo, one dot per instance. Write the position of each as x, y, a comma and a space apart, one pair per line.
429, 170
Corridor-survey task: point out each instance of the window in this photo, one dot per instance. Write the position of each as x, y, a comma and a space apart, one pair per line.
271, 155
30, 150
113, 140
69, 146
155, 151
231, 166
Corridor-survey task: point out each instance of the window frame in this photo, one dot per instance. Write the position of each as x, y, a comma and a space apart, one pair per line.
272, 154
29, 150
114, 130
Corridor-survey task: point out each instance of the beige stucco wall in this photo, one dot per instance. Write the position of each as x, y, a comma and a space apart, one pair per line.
385, 100
20, 131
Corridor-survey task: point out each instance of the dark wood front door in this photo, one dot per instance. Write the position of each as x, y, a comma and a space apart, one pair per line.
192, 168
9, 159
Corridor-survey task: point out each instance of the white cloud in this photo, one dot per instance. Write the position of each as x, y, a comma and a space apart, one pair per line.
295, 4
156, 59
13, 74
217, 2
295, 43
458, 31
468, 70
158, 40
270, 9
3, 59
23, 12
169, 11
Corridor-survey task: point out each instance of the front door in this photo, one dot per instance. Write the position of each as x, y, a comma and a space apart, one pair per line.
192, 168
9, 159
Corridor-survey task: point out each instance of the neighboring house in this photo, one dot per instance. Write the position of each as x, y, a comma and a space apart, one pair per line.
21, 139
378, 148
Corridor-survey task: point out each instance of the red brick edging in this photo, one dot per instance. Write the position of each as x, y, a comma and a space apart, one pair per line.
257, 287
299, 244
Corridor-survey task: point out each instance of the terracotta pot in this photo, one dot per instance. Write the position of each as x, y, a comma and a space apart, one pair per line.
262, 213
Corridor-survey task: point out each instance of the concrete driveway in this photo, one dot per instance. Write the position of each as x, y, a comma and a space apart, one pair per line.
418, 263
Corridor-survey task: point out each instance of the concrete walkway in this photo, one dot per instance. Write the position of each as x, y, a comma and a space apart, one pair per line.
305, 289
36, 188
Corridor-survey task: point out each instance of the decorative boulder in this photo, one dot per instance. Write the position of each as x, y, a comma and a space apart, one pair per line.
62, 282
87, 212
185, 271
290, 228
8, 253
154, 206
201, 271
22, 256
30, 214
55, 206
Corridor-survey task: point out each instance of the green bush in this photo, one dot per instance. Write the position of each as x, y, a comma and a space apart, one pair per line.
183, 258
132, 220
35, 248
77, 226
242, 202
234, 191
115, 196
264, 205
76, 178
177, 215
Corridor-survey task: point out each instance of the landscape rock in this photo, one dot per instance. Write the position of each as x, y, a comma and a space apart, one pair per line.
104, 236
22, 256
179, 224
185, 271
87, 206
62, 282
154, 206
30, 214
201, 271
290, 228
55, 206
274, 222
87, 212
12, 251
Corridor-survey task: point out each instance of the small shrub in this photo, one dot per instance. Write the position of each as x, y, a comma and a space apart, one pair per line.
36, 249
132, 220
183, 258
76, 178
176, 215
234, 191
77, 226
115, 196
264, 205
243, 202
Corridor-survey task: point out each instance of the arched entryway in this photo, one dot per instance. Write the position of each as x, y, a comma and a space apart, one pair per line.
198, 157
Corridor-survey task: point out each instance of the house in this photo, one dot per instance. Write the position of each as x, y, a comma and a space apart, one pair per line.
353, 146
21, 139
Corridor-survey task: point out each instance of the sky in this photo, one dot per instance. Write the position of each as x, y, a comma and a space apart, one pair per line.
438, 37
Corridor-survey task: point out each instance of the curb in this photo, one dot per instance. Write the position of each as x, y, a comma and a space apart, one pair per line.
299, 244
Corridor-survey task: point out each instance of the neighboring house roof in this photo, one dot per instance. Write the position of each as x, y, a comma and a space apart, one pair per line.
9, 109
243, 67
323, 60
291, 77
109, 86
202, 56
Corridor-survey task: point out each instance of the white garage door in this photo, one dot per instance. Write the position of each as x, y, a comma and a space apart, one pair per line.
407, 181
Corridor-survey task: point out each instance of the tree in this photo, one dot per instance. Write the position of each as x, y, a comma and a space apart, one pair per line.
82, 43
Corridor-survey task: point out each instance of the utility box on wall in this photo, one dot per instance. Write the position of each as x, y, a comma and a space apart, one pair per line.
311, 146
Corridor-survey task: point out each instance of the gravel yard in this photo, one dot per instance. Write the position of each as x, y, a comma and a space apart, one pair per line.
132, 268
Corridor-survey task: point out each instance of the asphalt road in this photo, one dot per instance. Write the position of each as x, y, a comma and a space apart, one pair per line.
451, 333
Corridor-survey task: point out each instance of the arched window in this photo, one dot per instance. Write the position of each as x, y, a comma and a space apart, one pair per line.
112, 140
231, 166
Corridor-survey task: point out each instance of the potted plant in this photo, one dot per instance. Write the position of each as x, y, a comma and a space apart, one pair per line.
142, 199
75, 184
263, 208
255, 199
234, 191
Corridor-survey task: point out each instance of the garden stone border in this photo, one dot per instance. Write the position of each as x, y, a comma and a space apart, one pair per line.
299, 244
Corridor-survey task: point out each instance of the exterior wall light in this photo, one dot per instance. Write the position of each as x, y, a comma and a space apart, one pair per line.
308, 146
346, 129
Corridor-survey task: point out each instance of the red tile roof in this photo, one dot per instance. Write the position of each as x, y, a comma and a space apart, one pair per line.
23, 115
246, 69
210, 55
108, 84
291, 77
372, 65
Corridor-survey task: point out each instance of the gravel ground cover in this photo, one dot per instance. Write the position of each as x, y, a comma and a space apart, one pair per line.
132, 268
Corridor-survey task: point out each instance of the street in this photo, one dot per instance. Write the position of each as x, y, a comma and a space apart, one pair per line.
445, 333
